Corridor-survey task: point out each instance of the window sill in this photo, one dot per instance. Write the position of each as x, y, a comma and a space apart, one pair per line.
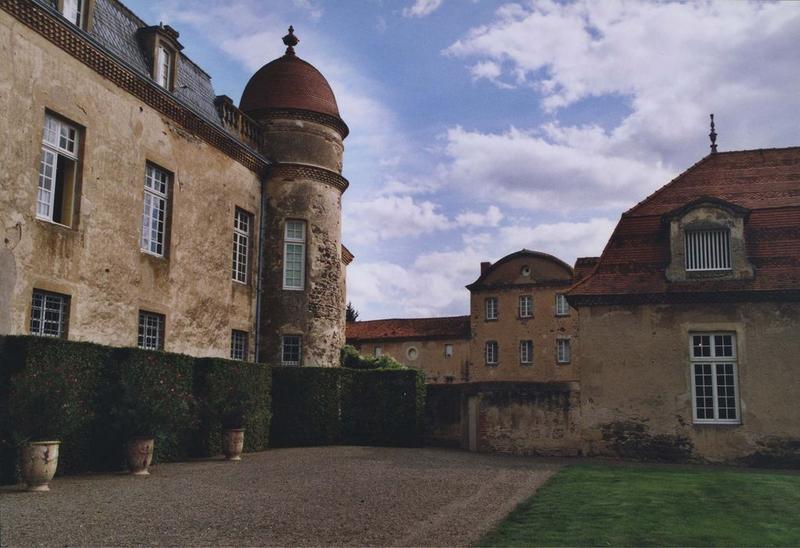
153, 255
492, 364
710, 422
490, 319
563, 315
54, 225
526, 365
294, 288
563, 363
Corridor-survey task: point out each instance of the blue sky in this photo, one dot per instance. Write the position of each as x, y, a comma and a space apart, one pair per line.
479, 127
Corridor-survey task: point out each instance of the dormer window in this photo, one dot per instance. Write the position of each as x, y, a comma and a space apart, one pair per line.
75, 11
708, 250
164, 63
160, 43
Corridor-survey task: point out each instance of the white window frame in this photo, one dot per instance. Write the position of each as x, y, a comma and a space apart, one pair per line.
59, 139
526, 306
165, 63
707, 250
242, 221
151, 330
448, 350
155, 210
563, 350
562, 306
491, 308
73, 11
714, 361
49, 314
526, 352
286, 342
296, 242
491, 352
239, 340
377, 352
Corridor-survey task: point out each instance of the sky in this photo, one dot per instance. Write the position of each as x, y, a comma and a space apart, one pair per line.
478, 128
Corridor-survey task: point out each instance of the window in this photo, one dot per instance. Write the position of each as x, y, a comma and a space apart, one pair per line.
491, 308
238, 345
164, 63
562, 306
49, 314
290, 350
563, 351
241, 245
448, 350
525, 306
412, 353
154, 217
378, 351
58, 171
491, 352
708, 250
73, 11
526, 352
714, 384
151, 330
294, 255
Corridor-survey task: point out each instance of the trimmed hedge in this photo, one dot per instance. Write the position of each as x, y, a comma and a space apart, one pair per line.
383, 407
218, 383
305, 406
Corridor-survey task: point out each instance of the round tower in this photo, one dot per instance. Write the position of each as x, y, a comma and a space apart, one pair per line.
302, 313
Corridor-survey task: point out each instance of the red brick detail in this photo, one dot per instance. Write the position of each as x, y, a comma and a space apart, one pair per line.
455, 327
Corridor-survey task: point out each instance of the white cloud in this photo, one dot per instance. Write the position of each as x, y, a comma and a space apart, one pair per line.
387, 217
492, 217
421, 8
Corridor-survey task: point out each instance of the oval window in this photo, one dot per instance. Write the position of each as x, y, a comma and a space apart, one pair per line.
526, 270
412, 353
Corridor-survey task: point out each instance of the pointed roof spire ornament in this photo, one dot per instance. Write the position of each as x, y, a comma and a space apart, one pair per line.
713, 137
291, 41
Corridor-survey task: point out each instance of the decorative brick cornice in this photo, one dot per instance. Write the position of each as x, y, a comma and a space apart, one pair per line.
634, 299
303, 171
298, 114
80, 46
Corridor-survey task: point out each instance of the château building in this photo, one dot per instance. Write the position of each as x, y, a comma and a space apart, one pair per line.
139, 208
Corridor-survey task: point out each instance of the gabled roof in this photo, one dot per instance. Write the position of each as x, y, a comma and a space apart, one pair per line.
766, 182
454, 327
516, 255
584, 266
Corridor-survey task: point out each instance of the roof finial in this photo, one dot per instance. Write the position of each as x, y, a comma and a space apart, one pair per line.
291, 41
713, 137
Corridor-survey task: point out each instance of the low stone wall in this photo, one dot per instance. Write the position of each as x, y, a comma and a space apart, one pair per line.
506, 417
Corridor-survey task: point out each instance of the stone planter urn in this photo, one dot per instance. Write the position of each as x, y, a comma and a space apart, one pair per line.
233, 443
140, 455
38, 463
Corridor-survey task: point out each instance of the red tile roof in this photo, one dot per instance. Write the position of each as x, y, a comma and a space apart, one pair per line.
455, 327
765, 181
584, 267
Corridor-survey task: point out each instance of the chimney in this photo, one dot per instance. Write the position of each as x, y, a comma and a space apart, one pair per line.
485, 266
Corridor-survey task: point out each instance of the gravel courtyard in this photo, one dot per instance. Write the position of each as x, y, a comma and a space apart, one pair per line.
304, 496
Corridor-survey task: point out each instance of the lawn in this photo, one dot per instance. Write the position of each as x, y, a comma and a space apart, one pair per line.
646, 506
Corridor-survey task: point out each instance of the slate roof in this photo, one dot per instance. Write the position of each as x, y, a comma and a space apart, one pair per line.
454, 327
765, 181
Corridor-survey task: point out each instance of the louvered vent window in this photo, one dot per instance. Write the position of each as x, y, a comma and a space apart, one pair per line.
708, 250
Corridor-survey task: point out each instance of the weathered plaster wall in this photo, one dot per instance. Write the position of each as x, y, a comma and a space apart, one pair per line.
636, 380
430, 357
98, 261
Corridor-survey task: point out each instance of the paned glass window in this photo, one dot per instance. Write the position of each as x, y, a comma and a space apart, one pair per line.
563, 351
151, 330
491, 308
714, 379
290, 349
294, 255
526, 352
49, 314
73, 11
58, 171
241, 245
448, 350
708, 250
238, 345
163, 66
562, 306
154, 217
378, 352
492, 350
525, 306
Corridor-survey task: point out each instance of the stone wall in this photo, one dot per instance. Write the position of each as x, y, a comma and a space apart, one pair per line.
427, 355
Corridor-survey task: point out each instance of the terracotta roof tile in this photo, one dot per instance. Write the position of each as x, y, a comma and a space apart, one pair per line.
455, 327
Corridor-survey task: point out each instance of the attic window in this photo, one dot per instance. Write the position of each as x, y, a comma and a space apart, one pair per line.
164, 63
708, 250
162, 47
75, 11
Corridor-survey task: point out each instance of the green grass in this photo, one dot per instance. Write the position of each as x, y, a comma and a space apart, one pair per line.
632, 506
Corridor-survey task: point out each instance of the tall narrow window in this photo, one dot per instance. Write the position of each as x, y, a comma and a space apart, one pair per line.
154, 217
708, 250
378, 352
58, 171
238, 345
525, 306
49, 314
491, 352
563, 351
562, 306
164, 62
448, 350
294, 255
291, 349
714, 383
525, 352
73, 11
241, 245
491, 308
151, 330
